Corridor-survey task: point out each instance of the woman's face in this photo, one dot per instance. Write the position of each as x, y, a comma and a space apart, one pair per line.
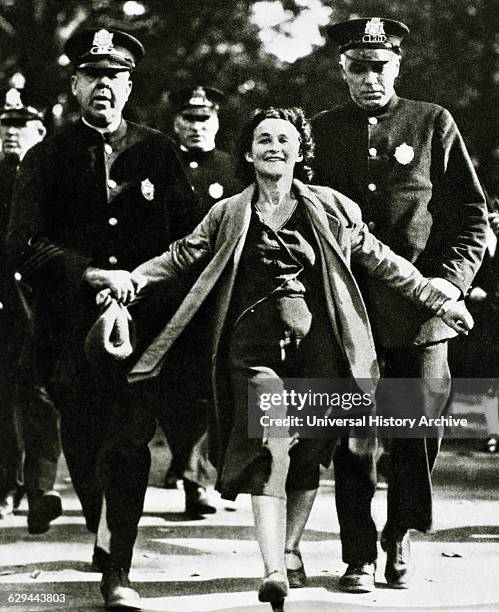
275, 148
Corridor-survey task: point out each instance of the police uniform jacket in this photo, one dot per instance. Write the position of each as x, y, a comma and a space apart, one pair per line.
82, 199
13, 316
217, 244
408, 169
212, 174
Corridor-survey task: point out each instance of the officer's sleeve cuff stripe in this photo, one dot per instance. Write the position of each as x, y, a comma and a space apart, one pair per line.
40, 258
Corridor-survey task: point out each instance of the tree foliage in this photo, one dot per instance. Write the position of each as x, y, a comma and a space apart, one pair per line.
451, 57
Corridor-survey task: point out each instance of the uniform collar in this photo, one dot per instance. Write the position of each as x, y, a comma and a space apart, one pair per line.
195, 154
110, 137
379, 112
11, 161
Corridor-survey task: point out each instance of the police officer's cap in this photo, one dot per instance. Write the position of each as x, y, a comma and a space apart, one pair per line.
106, 49
198, 100
22, 105
370, 39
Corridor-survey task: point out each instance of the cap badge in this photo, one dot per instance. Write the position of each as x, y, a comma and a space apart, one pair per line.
374, 31
199, 98
404, 154
216, 190
13, 99
102, 43
147, 189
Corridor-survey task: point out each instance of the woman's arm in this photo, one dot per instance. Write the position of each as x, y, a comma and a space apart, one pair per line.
382, 263
183, 256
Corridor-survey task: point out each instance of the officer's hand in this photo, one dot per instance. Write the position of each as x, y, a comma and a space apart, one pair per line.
458, 317
121, 285
139, 282
119, 282
446, 287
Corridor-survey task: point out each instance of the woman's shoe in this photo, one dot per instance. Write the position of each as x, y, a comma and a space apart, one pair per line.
296, 577
274, 588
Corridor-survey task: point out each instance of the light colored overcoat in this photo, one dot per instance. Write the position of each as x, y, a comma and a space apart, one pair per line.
216, 246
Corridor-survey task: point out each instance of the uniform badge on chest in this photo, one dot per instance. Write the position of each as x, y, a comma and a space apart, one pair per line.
404, 154
147, 189
216, 190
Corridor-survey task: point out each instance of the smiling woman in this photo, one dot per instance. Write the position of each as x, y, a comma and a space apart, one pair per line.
293, 124
274, 261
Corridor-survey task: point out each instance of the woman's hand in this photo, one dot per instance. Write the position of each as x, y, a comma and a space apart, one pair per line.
119, 283
457, 316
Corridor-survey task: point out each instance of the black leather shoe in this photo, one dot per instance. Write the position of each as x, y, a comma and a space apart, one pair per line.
101, 560
196, 500
43, 509
117, 591
274, 588
398, 555
296, 577
358, 578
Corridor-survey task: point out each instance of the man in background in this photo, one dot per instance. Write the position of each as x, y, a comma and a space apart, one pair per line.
196, 125
183, 418
30, 445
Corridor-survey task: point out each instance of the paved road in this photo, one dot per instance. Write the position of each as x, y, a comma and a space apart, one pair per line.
214, 564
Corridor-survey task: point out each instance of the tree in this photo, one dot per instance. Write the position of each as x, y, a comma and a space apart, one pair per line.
451, 56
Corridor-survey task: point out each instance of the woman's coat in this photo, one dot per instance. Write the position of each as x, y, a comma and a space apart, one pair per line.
216, 246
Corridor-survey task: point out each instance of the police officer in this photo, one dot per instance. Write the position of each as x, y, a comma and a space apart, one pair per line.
196, 125
212, 174
91, 203
404, 162
29, 420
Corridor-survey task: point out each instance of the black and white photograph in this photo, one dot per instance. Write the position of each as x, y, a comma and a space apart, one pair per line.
177, 432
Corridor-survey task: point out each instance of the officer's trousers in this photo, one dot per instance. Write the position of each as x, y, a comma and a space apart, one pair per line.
42, 445
409, 497
105, 432
30, 443
185, 402
183, 421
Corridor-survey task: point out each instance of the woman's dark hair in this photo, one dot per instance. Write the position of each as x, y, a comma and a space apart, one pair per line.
296, 117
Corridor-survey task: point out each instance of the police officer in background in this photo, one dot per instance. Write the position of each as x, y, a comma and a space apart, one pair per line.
212, 174
404, 162
29, 420
90, 204
196, 125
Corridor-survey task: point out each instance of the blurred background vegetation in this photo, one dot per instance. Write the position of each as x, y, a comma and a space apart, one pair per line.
265, 52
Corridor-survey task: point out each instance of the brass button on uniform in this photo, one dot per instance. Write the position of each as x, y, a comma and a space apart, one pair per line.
1, 306
113, 260
371, 187
108, 148
373, 152
112, 184
18, 276
193, 164
113, 221
372, 120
